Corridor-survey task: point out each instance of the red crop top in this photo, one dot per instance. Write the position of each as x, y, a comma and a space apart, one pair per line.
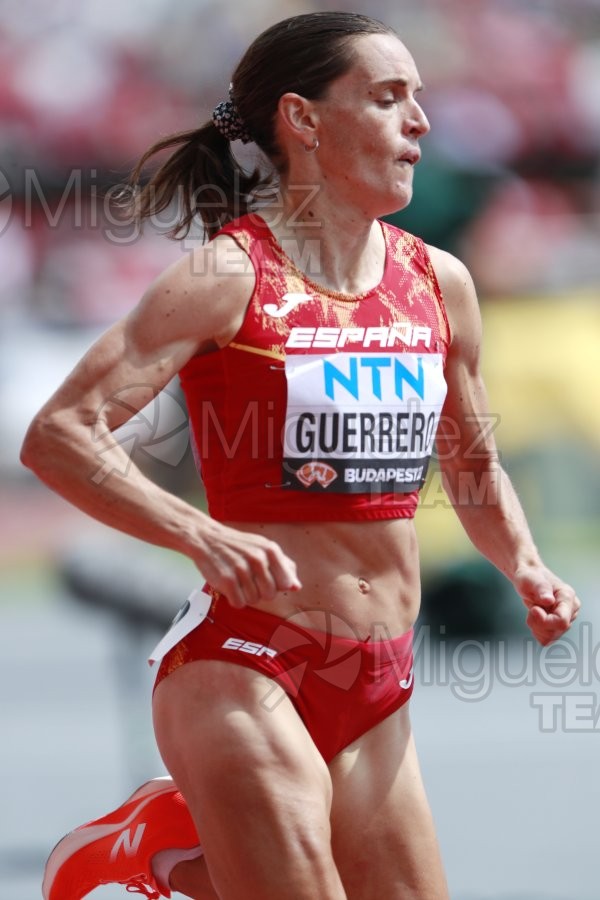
325, 405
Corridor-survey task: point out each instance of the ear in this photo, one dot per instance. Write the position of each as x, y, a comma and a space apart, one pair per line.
298, 117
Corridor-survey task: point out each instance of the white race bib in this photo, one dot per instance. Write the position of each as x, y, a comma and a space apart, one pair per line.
361, 421
189, 616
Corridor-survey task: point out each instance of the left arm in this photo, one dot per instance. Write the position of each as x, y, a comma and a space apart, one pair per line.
479, 489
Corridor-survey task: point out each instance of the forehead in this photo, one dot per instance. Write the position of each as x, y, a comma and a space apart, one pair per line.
381, 57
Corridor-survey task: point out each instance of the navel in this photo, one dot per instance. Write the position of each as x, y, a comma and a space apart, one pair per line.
364, 586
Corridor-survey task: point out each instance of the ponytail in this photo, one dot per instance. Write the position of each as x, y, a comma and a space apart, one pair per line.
202, 175
304, 54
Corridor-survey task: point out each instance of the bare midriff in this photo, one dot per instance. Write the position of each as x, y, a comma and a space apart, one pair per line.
365, 575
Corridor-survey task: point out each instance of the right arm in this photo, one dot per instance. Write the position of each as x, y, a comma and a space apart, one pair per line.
69, 444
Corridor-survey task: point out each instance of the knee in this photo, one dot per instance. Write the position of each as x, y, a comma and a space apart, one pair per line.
281, 858
309, 845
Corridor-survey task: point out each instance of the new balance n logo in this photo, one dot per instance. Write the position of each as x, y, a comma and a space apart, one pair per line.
129, 844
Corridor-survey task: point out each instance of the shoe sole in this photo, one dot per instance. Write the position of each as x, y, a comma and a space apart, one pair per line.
86, 834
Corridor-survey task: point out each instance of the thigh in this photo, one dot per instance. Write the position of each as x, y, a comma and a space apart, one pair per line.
258, 790
383, 835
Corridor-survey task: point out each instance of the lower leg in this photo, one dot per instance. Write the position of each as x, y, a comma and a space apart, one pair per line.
191, 879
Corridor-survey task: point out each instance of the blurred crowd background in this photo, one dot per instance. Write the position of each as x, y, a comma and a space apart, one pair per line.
509, 181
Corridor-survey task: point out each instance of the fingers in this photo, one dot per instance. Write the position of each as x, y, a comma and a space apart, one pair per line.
536, 590
283, 569
246, 568
268, 568
549, 625
233, 579
553, 605
263, 579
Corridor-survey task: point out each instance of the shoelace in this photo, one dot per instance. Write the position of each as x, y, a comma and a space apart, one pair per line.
139, 887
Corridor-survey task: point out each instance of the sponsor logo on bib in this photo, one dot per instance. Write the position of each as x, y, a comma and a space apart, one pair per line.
317, 471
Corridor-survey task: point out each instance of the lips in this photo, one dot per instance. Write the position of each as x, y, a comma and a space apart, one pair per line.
411, 156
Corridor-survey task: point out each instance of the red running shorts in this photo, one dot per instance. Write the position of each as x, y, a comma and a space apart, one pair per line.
340, 687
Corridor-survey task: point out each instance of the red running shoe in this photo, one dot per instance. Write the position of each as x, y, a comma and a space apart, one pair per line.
118, 848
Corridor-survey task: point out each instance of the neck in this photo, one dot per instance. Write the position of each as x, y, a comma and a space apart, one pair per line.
338, 247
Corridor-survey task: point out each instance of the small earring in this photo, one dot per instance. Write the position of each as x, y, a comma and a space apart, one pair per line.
314, 147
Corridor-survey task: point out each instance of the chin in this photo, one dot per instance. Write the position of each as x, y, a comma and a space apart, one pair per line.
398, 201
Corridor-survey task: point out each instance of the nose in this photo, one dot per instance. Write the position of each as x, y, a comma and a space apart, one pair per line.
417, 123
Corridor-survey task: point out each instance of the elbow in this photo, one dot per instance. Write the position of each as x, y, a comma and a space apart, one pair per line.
31, 450
41, 442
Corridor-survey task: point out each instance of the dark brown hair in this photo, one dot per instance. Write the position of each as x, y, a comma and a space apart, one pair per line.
304, 55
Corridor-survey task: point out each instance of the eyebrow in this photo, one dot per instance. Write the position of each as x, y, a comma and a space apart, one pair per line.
399, 82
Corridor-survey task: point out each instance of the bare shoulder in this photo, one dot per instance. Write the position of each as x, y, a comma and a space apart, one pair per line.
203, 295
460, 298
454, 277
